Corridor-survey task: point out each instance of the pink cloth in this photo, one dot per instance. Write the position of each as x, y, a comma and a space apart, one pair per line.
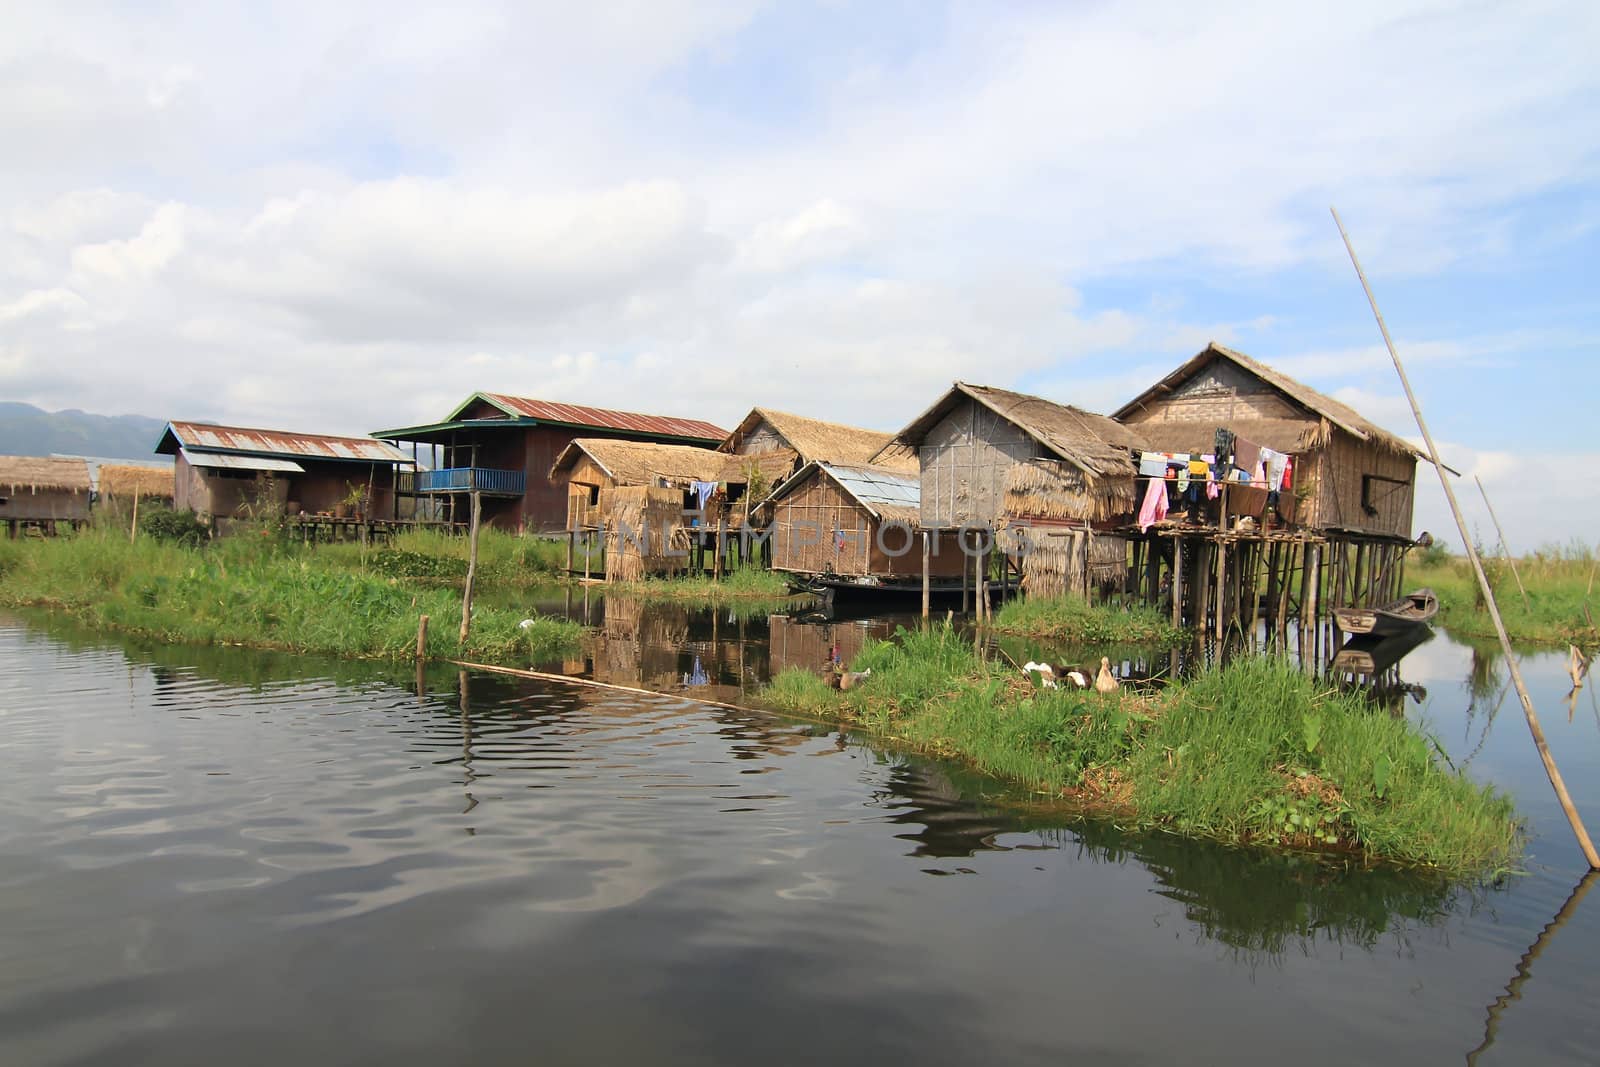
1154, 508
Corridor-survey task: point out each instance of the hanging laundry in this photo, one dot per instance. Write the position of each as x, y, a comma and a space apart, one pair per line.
1213, 490
1288, 474
1224, 447
1274, 463
1183, 478
1246, 454
1198, 466
1154, 508
1258, 476
1152, 465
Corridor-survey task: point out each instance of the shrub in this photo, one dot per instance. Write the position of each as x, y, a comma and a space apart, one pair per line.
175, 527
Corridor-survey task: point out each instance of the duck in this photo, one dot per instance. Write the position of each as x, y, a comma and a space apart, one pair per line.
851, 679
1046, 673
1105, 682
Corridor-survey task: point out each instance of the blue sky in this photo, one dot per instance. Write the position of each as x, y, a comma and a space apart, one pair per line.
349, 216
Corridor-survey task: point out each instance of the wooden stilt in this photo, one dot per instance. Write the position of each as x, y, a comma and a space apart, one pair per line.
927, 590
472, 567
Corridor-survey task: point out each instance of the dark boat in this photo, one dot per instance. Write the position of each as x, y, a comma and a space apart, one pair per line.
1372, 655
1407, 613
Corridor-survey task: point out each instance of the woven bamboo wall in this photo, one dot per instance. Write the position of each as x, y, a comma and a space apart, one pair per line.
1218, 393
644, 532
1337, 469
1071, 561
966, 457
804, 522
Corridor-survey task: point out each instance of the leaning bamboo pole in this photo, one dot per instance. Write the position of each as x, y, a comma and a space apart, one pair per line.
1528, 713
1505, 547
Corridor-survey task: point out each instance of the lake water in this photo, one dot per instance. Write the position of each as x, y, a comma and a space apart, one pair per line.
223, 856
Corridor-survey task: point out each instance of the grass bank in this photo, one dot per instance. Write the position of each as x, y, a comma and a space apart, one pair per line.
267, 594
1254, 753
1558, 584
1072, 619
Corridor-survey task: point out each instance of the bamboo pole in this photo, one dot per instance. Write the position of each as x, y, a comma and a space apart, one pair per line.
1505, 547
1177, 582
472, 568
422, 638
133, 529
1551, 771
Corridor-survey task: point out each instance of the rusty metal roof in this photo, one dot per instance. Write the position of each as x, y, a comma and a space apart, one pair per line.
205, 437
601, 418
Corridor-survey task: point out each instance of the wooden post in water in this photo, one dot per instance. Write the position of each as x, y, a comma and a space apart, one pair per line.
472, 567
422, 638
722, 536
962, 545
133, 530
927, 591
1551, 771
1504, 547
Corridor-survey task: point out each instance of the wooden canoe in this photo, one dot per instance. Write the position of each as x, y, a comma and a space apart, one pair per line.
1407, 613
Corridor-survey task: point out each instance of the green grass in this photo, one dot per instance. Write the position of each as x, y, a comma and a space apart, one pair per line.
1253, 753
1558, 584
742, 583
1071, 618
264, 594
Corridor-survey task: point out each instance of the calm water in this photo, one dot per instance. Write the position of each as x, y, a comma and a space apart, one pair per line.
221, 856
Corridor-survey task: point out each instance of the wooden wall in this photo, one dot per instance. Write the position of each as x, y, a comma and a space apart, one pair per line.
965, 459
760, 440
802, 538
23, 504
1338, 469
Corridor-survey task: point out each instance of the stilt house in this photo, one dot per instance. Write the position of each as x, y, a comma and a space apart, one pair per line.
37, 491
505, 448
856, 525
769, 446
226, 471
1348, 475
1052, 480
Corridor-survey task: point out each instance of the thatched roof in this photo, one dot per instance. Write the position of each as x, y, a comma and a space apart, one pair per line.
774, 466
813, 439
1318, 405
130, 480
1094, 444
642, 462
42, 474
1051, 489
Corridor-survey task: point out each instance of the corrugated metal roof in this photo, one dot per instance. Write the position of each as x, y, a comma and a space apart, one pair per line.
604, 418
232, 462
874, 485
208, 438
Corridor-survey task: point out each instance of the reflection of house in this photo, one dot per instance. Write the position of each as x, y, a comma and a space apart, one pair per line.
505, 448
1347, 473
856, 523
40, 491
993, 459
224, 471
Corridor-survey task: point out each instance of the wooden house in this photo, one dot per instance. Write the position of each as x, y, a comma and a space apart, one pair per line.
1348, 475
506, 447
229, 471
40, 491
848, 526
1052, 481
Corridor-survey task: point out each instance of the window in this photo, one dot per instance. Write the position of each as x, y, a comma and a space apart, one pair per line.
1375, 490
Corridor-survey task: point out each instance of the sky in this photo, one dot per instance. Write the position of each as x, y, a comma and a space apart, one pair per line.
346, 217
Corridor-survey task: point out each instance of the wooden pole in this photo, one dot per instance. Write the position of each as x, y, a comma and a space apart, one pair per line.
1505, 548
422, 638
472, 567
133, 530
572, 536
722, 535
1551, 771
962, 544
927, 589
1177, 581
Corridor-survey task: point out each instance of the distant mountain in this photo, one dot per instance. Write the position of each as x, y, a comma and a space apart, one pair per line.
29, 431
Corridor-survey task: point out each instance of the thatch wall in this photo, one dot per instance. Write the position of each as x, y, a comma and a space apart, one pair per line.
1050, 489
43, 489
644, 533
1062, 561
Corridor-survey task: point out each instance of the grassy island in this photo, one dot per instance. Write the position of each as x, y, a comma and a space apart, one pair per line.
1253, 753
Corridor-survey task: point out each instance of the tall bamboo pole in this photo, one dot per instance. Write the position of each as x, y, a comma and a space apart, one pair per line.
1528, 713
1505, 546
472, 568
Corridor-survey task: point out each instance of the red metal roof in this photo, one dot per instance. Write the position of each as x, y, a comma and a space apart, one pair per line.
204, 436
604, 418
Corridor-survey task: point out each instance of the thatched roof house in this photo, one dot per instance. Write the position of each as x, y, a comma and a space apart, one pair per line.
593, 466
990, 455
1347, 472
804, 440
43, 489
126, 481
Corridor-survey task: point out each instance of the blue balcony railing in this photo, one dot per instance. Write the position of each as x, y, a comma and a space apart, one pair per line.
466, 479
